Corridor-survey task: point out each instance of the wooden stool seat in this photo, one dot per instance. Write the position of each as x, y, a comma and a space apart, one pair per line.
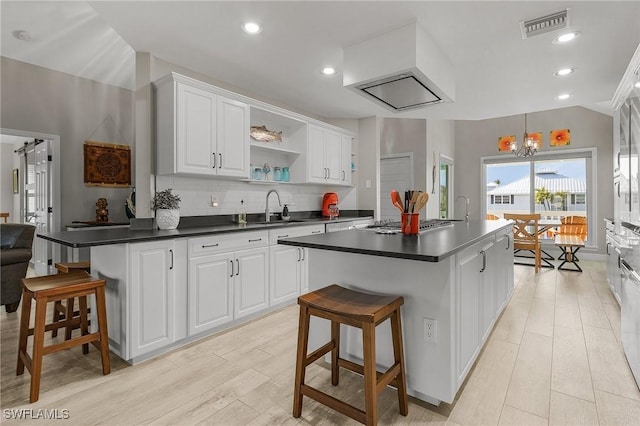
362, 310
52, 288
62, 312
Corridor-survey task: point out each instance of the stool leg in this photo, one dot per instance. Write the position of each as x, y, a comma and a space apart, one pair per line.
38, 349
370, 376
301, 358
56, 318
24, 330
84, 326
69, 318
398, 354
335, 353
101, 308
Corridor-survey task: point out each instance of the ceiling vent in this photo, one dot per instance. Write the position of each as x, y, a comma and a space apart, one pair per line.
400, 70
555, 21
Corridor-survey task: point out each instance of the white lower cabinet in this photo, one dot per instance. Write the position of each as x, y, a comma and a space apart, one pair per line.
289, 270
228, 278
154, 280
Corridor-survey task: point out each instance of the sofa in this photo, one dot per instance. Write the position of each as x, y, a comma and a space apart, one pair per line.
16, 240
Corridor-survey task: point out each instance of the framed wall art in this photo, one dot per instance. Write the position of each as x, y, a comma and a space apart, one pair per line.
107, 164
560, 137
504, 142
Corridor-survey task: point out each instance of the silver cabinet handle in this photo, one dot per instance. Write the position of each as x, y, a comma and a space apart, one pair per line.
508, 243
210, 245
255, 240
344, 175
303, 256
619, 264
231, 261
171, 251
220, 166
608, 248
238, 271
299, 256
484, 260
316, 232
283, 236
214, 160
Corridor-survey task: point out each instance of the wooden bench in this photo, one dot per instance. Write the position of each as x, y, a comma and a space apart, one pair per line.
569, 244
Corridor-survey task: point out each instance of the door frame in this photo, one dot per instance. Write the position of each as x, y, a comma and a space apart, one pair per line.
445, 159
54, 182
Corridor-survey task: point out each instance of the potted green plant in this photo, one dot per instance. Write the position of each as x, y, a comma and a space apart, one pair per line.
167, 207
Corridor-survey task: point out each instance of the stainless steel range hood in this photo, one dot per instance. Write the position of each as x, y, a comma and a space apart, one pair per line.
400, 70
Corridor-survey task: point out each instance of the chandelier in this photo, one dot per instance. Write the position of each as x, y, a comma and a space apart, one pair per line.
529, 145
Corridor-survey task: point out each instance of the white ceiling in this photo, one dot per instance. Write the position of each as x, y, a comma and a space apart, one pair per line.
497, 73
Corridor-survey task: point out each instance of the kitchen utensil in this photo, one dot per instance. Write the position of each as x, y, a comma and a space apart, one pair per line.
422, 201
396, 200
414, 198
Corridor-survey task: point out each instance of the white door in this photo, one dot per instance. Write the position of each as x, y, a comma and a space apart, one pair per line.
152, 296
232, 125
396, 172
42, 257
196, 131
251, 281
333, 156
210, 301
317, 172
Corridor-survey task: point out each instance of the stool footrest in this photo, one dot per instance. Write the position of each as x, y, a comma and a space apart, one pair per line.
87, 338
75, 322
357, 368
318, 353
340, 406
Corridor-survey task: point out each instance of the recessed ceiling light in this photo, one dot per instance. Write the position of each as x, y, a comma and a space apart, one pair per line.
563, 97
564, 71
251, 28
565, 38
328, 71
22, 35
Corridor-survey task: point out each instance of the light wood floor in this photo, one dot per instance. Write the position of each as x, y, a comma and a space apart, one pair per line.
554, 357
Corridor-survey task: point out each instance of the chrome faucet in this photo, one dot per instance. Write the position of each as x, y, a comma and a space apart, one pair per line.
267, 214
466, 207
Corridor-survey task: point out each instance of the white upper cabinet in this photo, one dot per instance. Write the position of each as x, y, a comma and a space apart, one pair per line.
200, 132
324, 156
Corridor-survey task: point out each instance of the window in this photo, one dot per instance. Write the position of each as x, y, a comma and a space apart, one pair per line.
554, 184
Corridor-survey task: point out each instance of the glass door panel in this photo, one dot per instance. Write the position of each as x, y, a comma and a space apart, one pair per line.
508, 188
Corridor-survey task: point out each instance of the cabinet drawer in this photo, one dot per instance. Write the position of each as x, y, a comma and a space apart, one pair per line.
227, 242
294, 231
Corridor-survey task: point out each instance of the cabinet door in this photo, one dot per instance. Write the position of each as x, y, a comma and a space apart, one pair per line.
284, 273
345, 173
316, 169
304, 270
488, 272
210, 298
232, 137
152, 296
251, 285
195, 130
504, 269
468, 338
333, 156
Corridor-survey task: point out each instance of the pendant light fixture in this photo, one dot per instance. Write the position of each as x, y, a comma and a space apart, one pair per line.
529, 145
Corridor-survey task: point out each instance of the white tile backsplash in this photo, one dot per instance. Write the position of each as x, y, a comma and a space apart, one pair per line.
196, 194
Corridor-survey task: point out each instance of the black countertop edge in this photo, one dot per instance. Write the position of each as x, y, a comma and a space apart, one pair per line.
381, 253
99, 237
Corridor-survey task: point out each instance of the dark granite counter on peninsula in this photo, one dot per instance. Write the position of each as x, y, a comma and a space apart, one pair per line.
431, 246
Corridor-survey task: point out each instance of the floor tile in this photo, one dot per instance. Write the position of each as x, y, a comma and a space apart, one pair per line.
567, 410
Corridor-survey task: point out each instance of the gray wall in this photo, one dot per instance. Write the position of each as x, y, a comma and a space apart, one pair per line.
475, 139
37, 99
6, 179
407, 135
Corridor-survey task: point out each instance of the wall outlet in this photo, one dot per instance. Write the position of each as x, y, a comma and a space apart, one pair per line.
214, 200
430, 330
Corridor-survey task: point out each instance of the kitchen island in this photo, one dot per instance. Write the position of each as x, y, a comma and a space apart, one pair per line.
455, 280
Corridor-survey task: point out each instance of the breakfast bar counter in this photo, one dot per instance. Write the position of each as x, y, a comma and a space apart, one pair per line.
455, 280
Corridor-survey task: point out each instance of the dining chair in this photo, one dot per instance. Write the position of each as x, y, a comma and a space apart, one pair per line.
492, 217
525, 234
574, 225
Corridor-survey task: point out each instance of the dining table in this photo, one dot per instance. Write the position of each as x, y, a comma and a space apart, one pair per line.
544, 225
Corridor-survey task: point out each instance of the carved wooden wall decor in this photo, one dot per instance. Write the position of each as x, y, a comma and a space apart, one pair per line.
107, 164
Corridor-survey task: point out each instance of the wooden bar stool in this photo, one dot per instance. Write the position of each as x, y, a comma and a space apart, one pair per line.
362, 310
67, 313
48, 289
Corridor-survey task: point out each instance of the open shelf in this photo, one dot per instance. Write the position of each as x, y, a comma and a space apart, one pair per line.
271, 147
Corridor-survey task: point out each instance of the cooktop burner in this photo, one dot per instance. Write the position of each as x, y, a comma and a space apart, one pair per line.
424, 225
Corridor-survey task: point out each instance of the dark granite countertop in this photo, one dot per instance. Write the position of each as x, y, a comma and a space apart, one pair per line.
195, 226
431, 246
